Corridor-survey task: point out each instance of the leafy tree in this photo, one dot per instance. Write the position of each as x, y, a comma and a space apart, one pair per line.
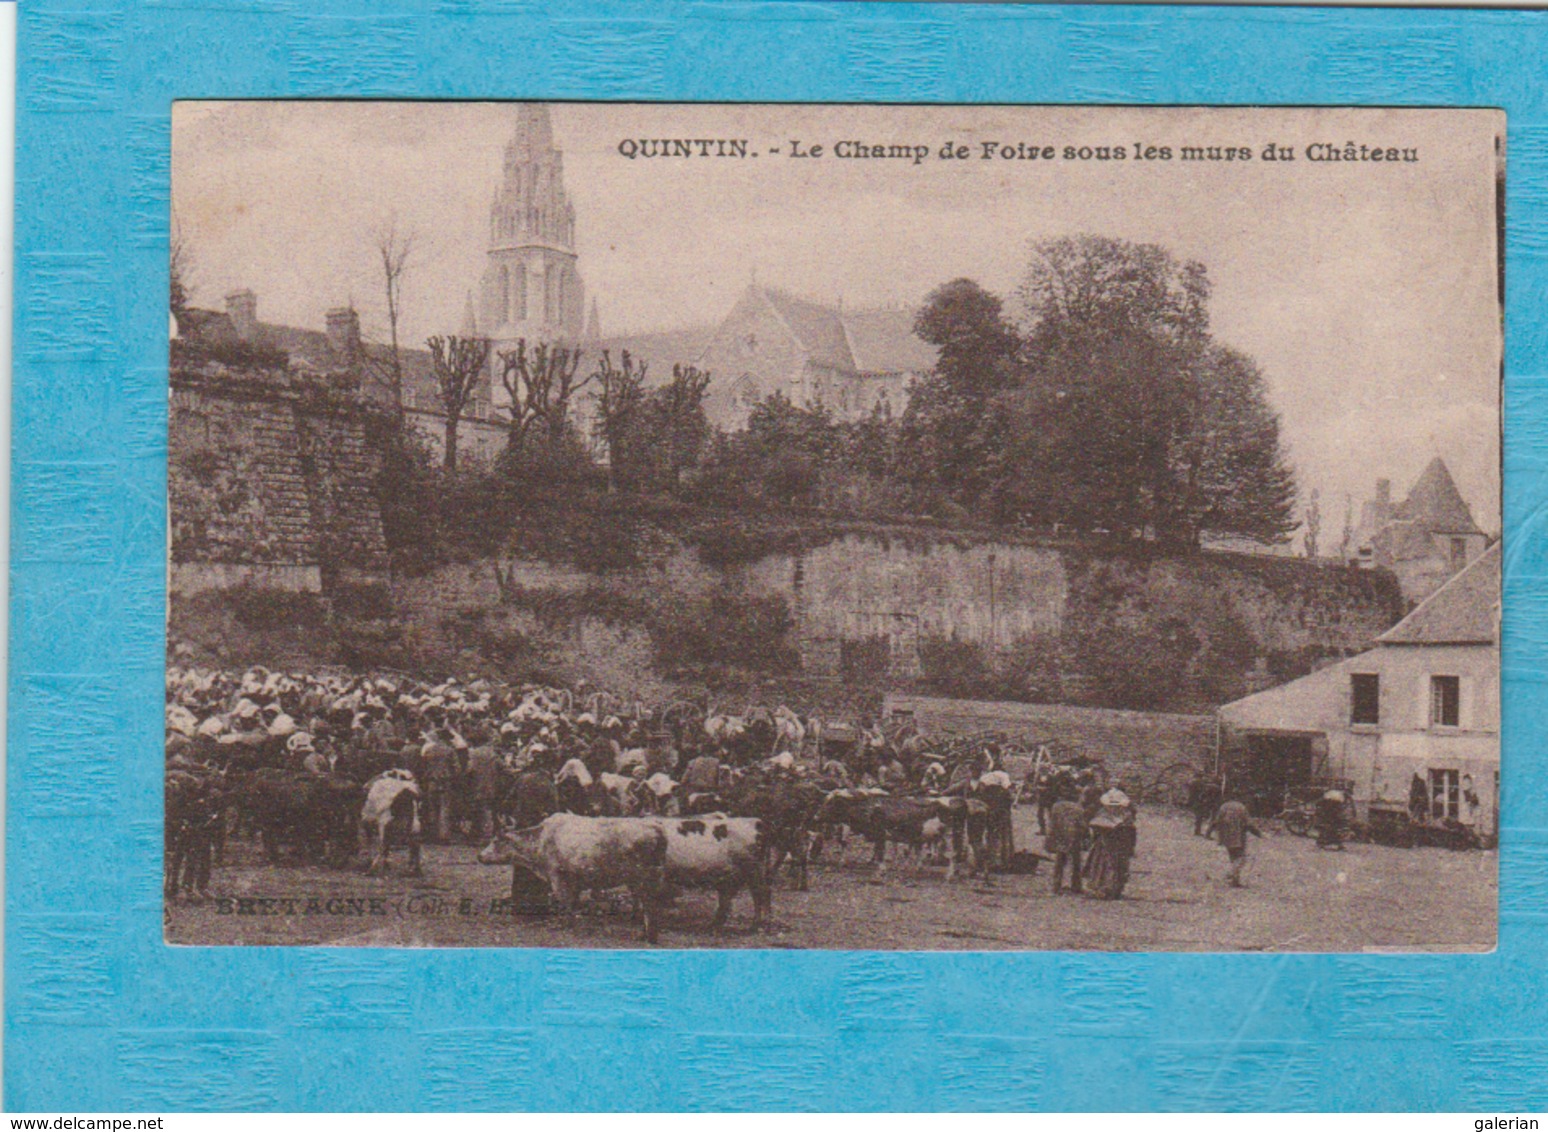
675, 424
1133, 420
950, 428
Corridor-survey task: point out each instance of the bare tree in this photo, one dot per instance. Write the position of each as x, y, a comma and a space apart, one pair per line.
619, 396
393, 249
541, 384
1313, 522
683, 427
458, 363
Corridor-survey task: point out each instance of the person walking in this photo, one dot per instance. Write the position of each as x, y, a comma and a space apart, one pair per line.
1230, 826
1203, 800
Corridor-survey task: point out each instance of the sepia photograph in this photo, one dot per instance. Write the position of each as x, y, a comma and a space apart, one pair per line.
863, 527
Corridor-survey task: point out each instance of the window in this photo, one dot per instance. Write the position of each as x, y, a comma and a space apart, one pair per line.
1445, 700
1445, 793
1364, 698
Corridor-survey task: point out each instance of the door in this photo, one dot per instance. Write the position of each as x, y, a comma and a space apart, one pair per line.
1278, 766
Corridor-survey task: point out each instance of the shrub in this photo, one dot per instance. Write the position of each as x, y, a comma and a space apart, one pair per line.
265, 607
954, 667
728, 626
368, 601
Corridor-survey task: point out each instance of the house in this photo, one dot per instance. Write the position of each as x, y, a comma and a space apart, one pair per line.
340, 350
1425, 539
1421, 709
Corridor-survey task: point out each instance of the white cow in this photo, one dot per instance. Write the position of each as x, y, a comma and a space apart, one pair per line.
574, 853
391, 805
725, 854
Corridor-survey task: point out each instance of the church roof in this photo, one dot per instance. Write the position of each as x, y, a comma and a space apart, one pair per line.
883, 341
1462, 612
853, 341
819, 329
1436, 504
660, 350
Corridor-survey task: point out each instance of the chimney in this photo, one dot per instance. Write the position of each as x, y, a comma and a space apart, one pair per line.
1384, 492
344, 336
242, 308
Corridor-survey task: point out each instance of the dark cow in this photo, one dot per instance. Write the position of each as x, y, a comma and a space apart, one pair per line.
787, 810
529, 797
914, 822
310, 813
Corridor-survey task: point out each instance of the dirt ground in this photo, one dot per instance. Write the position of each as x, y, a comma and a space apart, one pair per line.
1297, 898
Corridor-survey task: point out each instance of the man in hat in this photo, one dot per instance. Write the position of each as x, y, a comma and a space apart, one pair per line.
1231, 825
438, 763
1203, 800
1113, 840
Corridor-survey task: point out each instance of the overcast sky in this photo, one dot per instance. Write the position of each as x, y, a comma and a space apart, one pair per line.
1365, 291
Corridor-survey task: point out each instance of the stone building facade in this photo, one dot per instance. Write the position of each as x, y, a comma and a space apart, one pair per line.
1425, 539
851, 362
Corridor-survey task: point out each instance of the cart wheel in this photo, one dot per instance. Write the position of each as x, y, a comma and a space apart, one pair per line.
1298, 823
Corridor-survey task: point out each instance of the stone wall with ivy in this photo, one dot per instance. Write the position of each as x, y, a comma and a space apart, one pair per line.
271, 470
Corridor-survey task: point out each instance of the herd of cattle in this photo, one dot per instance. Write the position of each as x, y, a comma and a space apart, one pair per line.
579, 792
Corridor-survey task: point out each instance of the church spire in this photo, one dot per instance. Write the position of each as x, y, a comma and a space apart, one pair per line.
593, 323
469, 319
531, 205
532, 287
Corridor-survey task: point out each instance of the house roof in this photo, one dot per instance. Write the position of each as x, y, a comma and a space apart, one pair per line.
1462, 612
310, 349
1436, 504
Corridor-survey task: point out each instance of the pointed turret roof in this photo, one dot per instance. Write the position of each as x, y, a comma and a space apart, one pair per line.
469, 319
1462, 612
1436, 505
593, 323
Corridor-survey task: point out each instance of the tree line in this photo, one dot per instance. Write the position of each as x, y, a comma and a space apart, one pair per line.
1096, 400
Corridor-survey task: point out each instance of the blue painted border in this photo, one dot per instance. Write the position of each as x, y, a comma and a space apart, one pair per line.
99, 1015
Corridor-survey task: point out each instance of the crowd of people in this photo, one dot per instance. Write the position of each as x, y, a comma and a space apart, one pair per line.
315, 740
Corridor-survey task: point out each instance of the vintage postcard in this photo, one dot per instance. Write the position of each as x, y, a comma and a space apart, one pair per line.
825, 526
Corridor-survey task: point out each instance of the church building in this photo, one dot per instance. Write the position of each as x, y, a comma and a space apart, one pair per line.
853, 362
